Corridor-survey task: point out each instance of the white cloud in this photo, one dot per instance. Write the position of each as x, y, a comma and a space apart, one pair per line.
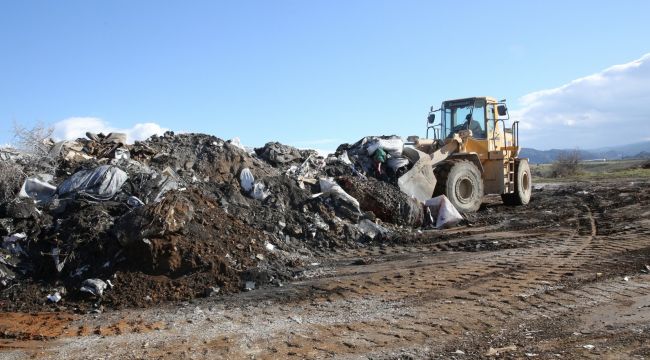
76, 127
607, 108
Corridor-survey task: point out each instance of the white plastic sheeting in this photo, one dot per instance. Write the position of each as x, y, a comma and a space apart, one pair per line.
100, 183
392, 146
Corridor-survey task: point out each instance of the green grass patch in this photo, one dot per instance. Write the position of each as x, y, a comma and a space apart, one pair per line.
613, 169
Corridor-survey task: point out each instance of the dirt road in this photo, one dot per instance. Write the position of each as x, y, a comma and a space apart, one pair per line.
564, 277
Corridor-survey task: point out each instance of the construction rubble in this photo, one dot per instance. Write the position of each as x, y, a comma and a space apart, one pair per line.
100, 222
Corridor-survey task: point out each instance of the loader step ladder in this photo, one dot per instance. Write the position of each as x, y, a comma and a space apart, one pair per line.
509, 175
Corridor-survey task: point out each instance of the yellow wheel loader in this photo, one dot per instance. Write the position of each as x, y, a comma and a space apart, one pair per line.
472, 153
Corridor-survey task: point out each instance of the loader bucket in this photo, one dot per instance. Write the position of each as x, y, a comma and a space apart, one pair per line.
419, 182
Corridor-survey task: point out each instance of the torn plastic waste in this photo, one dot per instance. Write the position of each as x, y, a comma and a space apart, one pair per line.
55, 298
329, 187
134, 201
57, 262
11, 243
237, 142
100, 183
397, 162
93, 286
443, 211
37, 189
392, 146
260, 192
122, 153
371, 229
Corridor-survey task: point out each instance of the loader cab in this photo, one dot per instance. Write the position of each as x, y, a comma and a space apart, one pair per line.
473, 114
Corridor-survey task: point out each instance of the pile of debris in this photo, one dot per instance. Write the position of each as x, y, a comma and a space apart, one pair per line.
101, 222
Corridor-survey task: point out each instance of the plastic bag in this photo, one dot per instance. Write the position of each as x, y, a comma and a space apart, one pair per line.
256, 190
246, 180
444, 211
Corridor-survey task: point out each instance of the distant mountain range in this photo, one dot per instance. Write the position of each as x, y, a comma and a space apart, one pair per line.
632, 151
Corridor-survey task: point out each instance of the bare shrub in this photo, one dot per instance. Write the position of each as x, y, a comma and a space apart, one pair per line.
566, 164
33, 141
11, 179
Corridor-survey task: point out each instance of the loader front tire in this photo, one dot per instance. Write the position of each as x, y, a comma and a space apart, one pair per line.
523, 185
461, 182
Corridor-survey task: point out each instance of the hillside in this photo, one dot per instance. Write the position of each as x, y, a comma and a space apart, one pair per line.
631, 151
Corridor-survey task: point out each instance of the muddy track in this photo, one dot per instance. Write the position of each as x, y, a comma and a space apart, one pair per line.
490, 286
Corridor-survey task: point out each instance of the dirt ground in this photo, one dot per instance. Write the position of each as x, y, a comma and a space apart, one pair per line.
564, 277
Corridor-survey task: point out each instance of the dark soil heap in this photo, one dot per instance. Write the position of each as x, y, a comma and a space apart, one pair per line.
181, 226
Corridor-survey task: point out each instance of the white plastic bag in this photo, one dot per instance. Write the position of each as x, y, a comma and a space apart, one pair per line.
256, 190
246, 180
444, 211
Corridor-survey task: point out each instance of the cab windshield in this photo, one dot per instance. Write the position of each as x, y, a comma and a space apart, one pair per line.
464, 115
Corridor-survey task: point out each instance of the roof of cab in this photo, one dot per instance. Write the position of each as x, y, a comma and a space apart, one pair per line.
487, 98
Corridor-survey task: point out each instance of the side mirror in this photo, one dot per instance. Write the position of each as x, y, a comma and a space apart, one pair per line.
502, 110
431, 108
431, 118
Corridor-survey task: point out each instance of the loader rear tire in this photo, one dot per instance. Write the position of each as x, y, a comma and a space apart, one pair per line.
461, 182
523, 185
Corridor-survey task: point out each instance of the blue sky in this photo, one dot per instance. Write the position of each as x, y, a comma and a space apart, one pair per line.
307, 73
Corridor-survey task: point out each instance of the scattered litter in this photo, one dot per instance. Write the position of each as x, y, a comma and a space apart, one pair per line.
588, 347
459, 352
37, 189
58, 263
330, 187
93, 286
212, 291
122, 154
501, 350
372, 229
134, 201
249, 285
79, 271
55, 298
531, 355
627, 278
237, 143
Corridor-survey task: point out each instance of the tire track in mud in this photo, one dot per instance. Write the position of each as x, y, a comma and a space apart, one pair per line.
494, 287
